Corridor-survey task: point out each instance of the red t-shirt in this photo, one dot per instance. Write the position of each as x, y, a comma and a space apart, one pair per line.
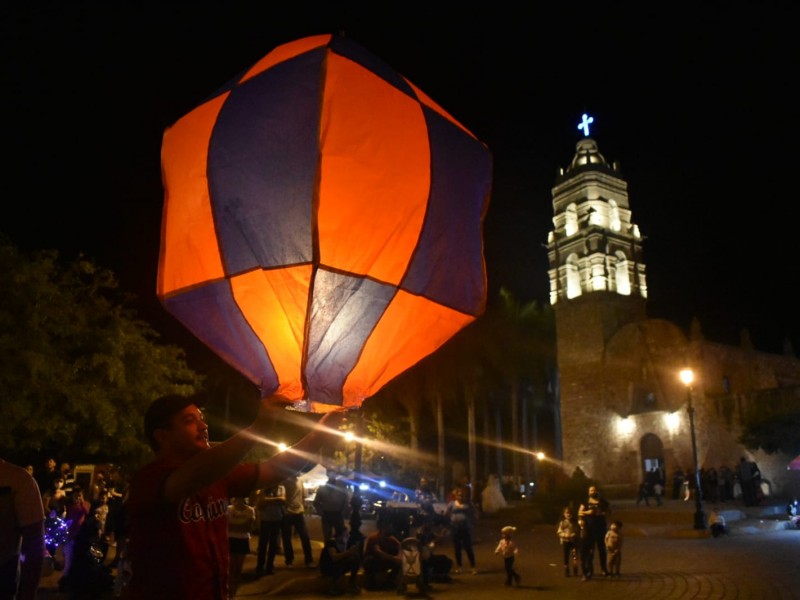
180, 550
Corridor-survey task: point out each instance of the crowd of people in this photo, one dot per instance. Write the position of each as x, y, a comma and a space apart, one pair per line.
81, 522
391, 556
407, 543
191, 497
387, 557
405, 546
740, 483
72, 523
203, 503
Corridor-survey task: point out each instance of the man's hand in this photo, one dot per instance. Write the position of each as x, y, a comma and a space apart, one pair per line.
324, 433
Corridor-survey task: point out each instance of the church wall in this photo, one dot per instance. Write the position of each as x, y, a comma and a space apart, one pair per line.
752, 379
746, 369
581, 422
599, 388
583, 326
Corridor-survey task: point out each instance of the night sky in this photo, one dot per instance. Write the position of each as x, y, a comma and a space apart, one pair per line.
697, 103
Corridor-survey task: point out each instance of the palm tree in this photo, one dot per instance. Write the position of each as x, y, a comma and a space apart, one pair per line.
521, 347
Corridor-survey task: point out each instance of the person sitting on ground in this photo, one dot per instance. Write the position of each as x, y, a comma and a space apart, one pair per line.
435, 567
793, 510
336, 560
382, 556
717, 524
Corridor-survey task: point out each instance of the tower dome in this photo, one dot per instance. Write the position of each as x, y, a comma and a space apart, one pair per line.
586, 153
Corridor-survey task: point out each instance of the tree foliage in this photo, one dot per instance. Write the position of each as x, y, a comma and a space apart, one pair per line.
77, 367
771, 422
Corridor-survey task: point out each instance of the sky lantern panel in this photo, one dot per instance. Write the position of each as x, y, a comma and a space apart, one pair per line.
262, 164
375, 173
189, 252
448, 266
432, 326
274, 303
344, 312
212, 314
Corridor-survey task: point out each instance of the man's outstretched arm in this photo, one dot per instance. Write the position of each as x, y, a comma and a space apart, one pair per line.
211, 465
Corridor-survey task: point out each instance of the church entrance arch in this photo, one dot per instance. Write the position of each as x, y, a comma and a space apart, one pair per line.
651, 449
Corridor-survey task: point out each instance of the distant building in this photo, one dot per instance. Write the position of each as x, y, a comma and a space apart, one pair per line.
623, 408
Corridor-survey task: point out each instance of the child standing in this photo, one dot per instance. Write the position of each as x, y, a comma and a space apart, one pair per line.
508, 549
658, 491
568, 536
614, 548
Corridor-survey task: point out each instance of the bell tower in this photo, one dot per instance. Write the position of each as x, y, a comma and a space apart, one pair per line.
597, 281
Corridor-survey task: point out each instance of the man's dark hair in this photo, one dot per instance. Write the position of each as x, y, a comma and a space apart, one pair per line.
161, 410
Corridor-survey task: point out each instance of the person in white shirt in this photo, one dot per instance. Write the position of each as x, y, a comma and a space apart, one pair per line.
294, 520
241, 520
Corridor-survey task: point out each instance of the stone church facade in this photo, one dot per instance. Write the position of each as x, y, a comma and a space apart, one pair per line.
623, 408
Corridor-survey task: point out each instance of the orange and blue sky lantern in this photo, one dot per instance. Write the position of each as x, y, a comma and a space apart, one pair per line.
322, 227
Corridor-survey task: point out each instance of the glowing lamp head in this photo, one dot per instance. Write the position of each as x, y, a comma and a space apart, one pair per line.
687, 376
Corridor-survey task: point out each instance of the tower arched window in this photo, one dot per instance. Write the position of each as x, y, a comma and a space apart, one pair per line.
622, 275
613, 216
571, 223
573, 277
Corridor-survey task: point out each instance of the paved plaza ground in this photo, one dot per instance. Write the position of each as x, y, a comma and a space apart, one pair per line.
663, 558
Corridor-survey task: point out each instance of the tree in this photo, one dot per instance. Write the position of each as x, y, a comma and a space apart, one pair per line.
520, 348
409, 393
771, 421
77, 367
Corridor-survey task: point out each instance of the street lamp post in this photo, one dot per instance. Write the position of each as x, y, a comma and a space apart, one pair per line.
687, 377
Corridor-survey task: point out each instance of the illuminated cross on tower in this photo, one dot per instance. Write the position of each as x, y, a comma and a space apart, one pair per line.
586, 120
